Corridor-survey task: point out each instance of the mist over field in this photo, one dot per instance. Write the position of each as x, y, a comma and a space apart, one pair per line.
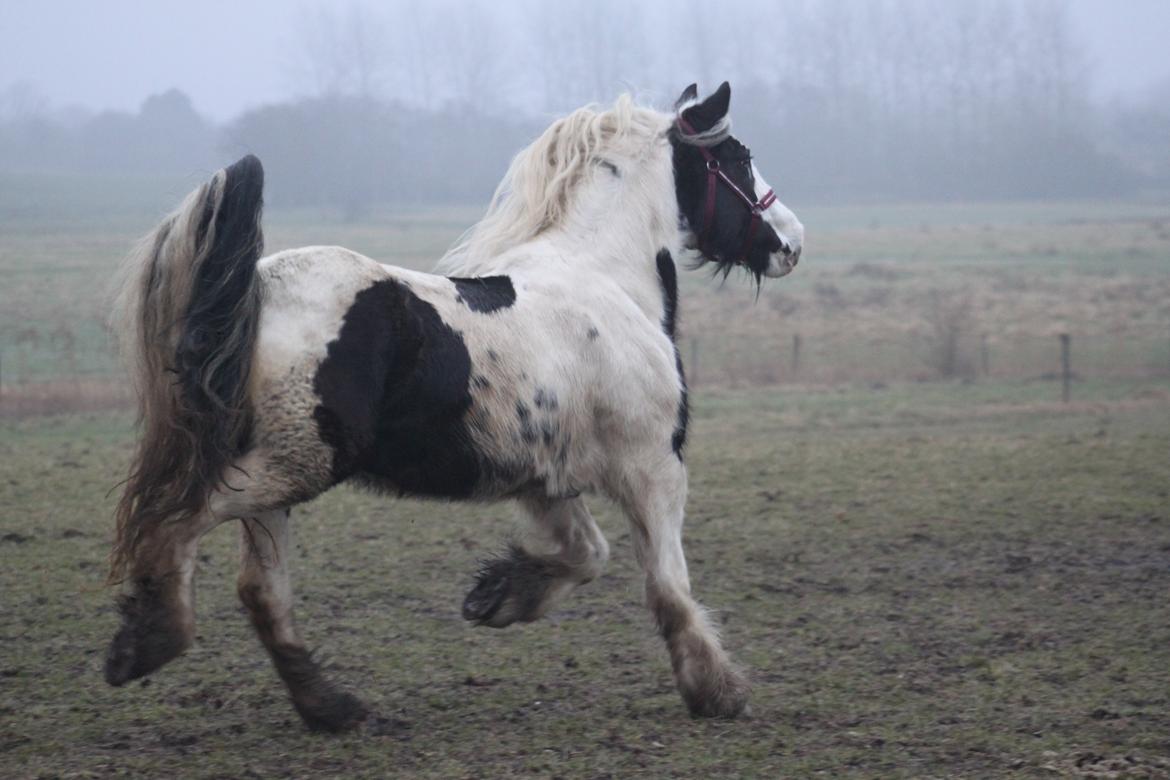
356, 104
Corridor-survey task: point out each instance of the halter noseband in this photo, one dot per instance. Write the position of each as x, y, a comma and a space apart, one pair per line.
715, 174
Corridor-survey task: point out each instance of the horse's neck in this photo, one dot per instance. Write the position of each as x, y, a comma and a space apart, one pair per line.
617, 232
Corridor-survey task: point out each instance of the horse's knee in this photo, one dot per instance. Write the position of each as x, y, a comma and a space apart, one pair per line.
251, 594
596, 557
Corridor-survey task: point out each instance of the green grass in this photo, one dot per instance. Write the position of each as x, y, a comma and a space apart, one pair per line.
924, 580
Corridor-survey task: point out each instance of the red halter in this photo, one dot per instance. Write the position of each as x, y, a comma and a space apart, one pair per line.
716, 174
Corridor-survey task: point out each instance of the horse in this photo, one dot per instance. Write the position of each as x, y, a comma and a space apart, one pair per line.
538, 367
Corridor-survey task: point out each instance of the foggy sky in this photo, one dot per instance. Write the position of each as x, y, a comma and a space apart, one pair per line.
229, 56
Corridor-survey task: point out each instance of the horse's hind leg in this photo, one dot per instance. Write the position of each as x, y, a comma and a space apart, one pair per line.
564, 549
266, 590
654, 499
158, 611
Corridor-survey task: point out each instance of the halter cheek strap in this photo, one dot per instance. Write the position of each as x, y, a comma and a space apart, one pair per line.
715, 175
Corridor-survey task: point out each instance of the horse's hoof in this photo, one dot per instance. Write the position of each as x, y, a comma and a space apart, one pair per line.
724, 697
138, 650
331, 712
121, 661
491, 589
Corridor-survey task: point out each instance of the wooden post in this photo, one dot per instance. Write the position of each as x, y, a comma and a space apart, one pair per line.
1065, 366
795, 355
985, 355
693, 372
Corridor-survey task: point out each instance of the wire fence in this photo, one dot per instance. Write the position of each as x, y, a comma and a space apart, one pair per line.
63, 375
835, 359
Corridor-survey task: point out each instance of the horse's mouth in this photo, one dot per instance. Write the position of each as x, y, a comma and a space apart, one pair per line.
782, 263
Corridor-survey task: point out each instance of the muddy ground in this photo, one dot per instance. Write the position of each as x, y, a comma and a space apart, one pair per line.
926, 580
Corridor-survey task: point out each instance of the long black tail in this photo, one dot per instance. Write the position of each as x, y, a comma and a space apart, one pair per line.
187, 316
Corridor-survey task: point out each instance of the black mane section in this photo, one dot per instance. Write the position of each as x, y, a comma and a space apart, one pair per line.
394, 390
485, 294
668, 278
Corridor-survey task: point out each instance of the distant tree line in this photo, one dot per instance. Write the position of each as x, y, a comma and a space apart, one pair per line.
840, 100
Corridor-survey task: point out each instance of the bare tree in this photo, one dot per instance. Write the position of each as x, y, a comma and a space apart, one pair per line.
22, 100
339, 52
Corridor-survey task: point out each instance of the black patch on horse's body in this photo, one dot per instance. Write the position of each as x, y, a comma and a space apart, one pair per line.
394, 390
485, 294
592, 334
668, 278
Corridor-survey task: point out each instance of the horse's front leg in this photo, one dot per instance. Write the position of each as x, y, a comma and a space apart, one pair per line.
653, 493
266, 590
564, 548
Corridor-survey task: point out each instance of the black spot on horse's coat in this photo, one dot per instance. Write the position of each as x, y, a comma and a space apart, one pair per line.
610, 167
394, 390
668, 278
545, 399
592, 334
485, 294
481, 382
492, 356
528, 431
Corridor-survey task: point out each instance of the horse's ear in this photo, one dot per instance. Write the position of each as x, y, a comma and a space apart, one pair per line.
704, 116
688, 94
719, 101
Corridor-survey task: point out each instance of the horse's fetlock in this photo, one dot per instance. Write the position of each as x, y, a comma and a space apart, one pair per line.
154, 630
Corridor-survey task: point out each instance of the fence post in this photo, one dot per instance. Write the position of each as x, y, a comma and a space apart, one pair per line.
795, 354
694, 372
1065, 363
985, 355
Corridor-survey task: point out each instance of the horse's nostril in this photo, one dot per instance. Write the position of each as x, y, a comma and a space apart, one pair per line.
796, 255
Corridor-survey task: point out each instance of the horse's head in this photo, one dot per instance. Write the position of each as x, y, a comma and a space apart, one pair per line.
732, 215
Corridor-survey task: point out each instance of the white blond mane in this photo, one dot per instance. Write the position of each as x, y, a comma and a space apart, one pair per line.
537, 191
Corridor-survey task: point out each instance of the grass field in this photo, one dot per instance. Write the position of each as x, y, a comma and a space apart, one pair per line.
951, 578
884, 292
932, 580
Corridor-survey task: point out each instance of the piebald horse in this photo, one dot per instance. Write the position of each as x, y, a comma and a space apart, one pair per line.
540, 367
